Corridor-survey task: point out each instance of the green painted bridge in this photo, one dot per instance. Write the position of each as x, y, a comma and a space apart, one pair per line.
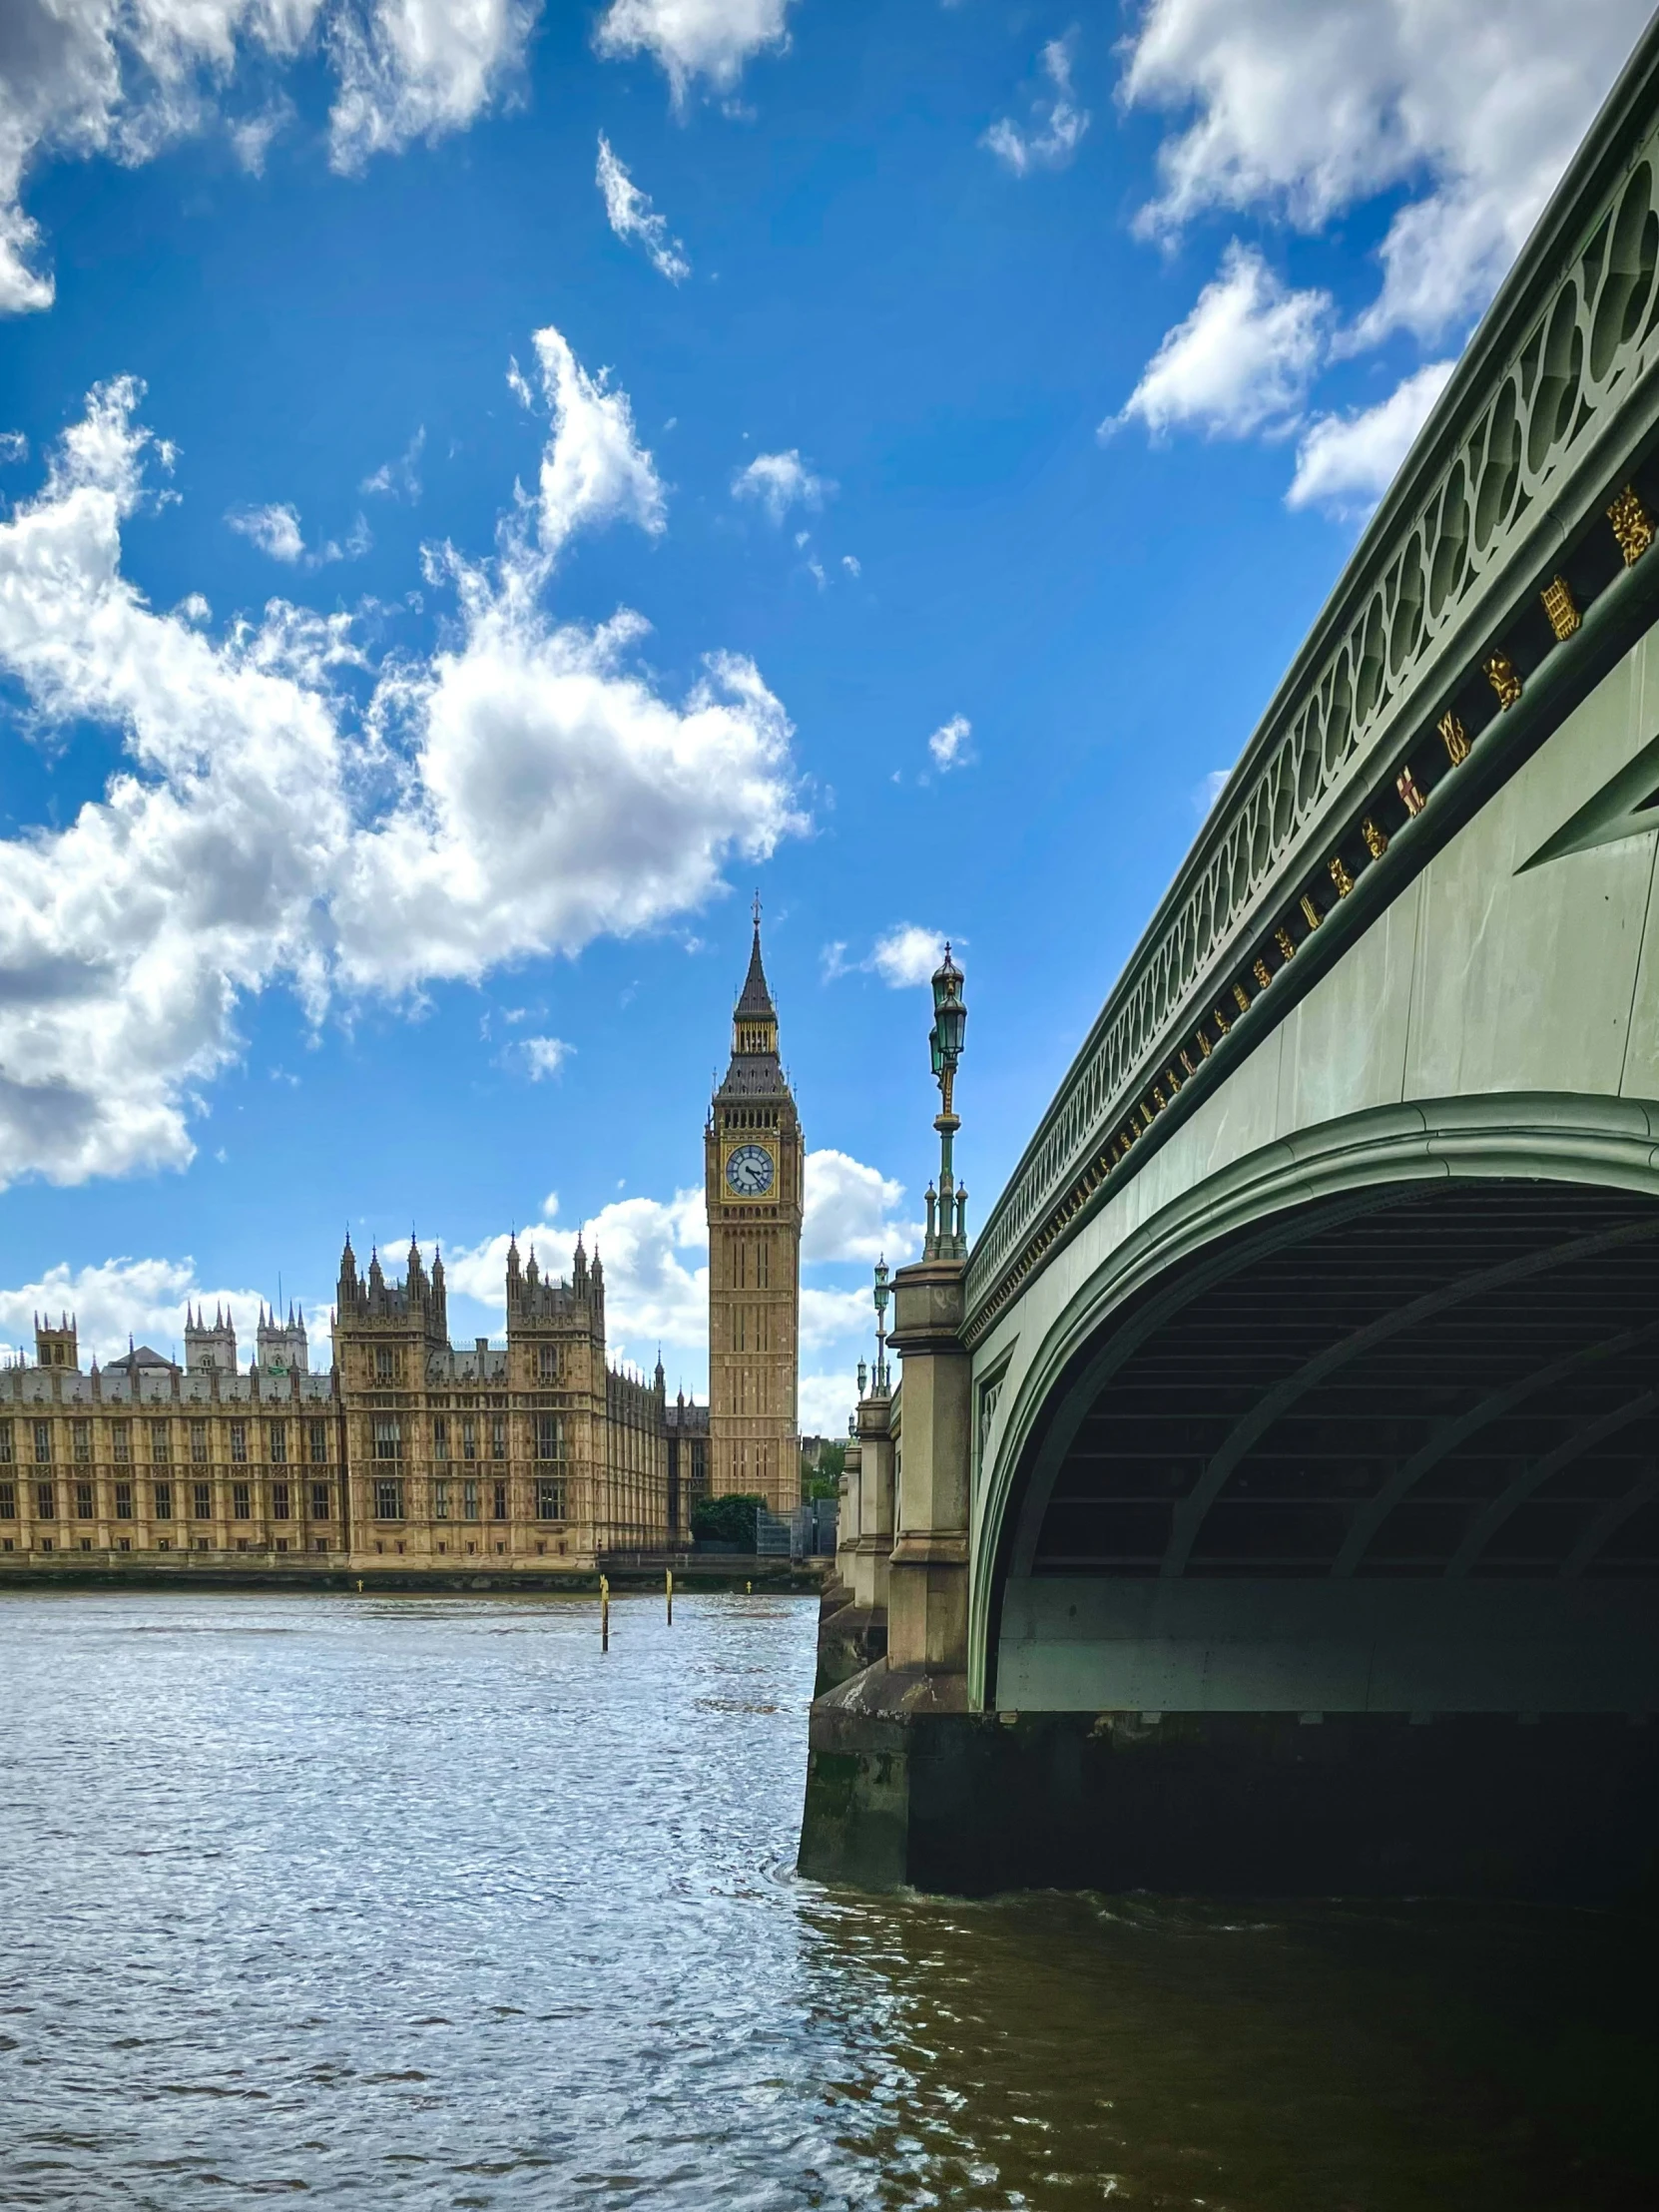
1310, 1360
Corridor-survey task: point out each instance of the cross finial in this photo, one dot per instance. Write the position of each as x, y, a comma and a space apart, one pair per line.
757, 909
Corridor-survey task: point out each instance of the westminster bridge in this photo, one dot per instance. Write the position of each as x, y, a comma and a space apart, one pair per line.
1271, 1495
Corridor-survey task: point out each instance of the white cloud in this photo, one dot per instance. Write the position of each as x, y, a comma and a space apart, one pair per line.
1209, 790
413, 69
825, 1403
593, 469
275, 530
125, 78
852, 564
1057, 123
694, 38
630, 214
400, 479
848, 1212
1307, 111
1347, 462
144, 1299
907, 954
949, 743
519, 792
780, 481
14, 446
544, 1056
1242, 361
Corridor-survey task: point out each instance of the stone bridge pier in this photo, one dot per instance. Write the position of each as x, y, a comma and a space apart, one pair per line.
1276, 1482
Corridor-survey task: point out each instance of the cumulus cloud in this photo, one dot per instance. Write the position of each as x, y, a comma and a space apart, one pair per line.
825, 1403
141, 1299
14, 446
631, 216
518, 791
949, 743
1347, 462
1057, 122
907, 954
275, 530
780, 481
544, 1056
692, 38
1241, 361
848, 1212
126, 78
1306, 112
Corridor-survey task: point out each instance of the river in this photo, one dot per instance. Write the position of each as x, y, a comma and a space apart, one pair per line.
414, 1902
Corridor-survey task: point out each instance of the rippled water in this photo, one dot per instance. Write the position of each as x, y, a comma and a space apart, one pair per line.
409, 1902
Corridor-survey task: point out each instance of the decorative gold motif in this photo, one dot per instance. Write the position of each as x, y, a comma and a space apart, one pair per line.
1286, 943
1500, 674
1377, 843
1146, 1116
1631, 525
1457, 744
1157, 1098
1186, 1063
1262, 975
1340, 876
1242, 996
1565, 617
1314, 917
1407, 786
1202, 1044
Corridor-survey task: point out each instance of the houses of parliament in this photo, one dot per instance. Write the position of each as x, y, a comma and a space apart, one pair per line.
412, 1453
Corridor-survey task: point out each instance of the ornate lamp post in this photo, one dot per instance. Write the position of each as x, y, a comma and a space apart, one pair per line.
882, 1293
947, 1208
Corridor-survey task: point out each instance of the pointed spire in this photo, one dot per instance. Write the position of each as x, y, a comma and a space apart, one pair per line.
754, 1000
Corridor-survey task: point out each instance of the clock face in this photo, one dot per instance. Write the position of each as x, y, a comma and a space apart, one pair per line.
749, 1171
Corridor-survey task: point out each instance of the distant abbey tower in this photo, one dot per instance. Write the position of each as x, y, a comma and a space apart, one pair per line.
753, 1159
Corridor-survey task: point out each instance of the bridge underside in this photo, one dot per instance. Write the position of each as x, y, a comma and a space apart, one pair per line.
1396, 1452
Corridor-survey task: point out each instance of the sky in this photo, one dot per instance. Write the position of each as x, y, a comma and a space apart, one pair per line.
487, 486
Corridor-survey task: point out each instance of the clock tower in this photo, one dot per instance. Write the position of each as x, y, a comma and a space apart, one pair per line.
754, 1158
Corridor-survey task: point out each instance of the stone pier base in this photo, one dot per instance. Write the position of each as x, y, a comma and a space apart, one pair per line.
906, 1787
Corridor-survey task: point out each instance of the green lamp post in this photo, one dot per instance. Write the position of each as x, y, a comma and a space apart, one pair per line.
882, 1293
948, 1209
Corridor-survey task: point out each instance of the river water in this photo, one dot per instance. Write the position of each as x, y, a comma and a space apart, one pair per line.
412, 1903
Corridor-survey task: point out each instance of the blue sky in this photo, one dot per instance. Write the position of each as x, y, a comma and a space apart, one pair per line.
486, 486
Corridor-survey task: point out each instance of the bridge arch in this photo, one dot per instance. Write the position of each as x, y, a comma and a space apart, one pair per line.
1415, 1345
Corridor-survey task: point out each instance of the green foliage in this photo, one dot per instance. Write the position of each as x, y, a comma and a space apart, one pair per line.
822, 1477
727, 1520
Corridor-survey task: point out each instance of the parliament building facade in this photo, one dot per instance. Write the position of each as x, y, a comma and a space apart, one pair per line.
412, 1453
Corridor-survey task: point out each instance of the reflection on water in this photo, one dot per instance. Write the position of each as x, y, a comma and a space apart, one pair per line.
420, 1902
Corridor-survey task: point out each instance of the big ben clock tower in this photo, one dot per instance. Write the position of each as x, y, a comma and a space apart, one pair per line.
754, 1159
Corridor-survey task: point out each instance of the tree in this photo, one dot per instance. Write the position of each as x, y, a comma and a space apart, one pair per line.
727, 1520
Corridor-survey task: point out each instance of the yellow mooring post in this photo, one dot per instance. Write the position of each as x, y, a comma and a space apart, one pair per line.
604, 1612
671, 1597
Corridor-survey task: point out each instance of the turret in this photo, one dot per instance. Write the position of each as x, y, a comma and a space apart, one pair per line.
210, 1349
56, 1346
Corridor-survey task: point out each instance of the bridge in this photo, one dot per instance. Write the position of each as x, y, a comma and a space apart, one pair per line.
1271, 1494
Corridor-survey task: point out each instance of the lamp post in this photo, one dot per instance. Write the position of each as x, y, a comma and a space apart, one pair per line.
882, 1293
947, 1208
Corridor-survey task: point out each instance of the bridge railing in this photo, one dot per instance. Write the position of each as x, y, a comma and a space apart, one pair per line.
1551, 405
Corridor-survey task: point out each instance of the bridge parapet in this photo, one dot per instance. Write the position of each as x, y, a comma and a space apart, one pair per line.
1499, 580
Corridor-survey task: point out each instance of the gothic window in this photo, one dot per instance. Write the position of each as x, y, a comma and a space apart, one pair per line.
278, 1431
389, 1499
499, 1436
43, 1442
388, 1364
469, 1500
319, 1443
238, 1442
164, 1501
320, 1502
469, 1440
45, 1505
8, 1501
440, 1437
499, 1502
550, 1498
389, 1440
5, 1444
80, 1432
547, 1363
440, 1499
198, 1443
242, 1502
550, 1436
161, 1446
83, 1501
279, 1502
124, 1501
201, 1501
